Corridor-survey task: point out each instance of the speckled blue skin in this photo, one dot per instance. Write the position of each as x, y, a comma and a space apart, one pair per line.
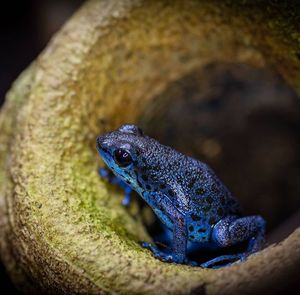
184, 193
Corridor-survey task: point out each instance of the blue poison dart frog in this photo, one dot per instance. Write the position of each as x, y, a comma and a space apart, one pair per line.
184, 193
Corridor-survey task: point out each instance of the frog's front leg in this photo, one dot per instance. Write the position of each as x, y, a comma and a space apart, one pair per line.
232, 230
106, 174
178, 251
167, 213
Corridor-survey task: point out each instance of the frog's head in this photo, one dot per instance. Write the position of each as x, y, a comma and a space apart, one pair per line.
121, 151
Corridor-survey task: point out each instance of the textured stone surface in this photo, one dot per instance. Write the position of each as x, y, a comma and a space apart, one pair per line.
63, 229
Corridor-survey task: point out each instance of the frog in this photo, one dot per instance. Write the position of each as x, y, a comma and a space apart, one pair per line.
184, 193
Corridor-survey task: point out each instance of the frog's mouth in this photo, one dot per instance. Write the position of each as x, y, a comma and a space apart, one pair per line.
101, 143
105, 155
103, 151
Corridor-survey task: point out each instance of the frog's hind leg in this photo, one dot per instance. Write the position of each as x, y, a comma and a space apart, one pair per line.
106, 174
223, 260
231, 231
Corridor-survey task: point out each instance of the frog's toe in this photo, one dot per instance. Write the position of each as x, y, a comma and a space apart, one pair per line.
191, 262
167, 256
126, 200
104, 173
147, 245
224, 260
156, 252
164, 256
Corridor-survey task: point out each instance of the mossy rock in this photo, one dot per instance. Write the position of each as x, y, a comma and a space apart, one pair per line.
63, 229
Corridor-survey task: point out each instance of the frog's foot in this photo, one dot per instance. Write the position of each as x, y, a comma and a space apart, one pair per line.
106, 174
126, 199
224, 260
167, 256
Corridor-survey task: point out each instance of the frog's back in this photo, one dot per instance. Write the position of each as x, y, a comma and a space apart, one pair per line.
206, 191
195, 188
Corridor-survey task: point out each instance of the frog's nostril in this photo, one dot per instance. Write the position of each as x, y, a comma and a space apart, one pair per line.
100, 142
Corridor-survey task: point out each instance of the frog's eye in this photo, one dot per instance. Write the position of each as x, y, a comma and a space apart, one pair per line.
122, 157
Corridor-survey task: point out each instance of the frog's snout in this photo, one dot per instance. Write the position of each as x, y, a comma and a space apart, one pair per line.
101, 143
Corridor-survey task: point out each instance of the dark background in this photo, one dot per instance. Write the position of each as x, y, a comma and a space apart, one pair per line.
25, 28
